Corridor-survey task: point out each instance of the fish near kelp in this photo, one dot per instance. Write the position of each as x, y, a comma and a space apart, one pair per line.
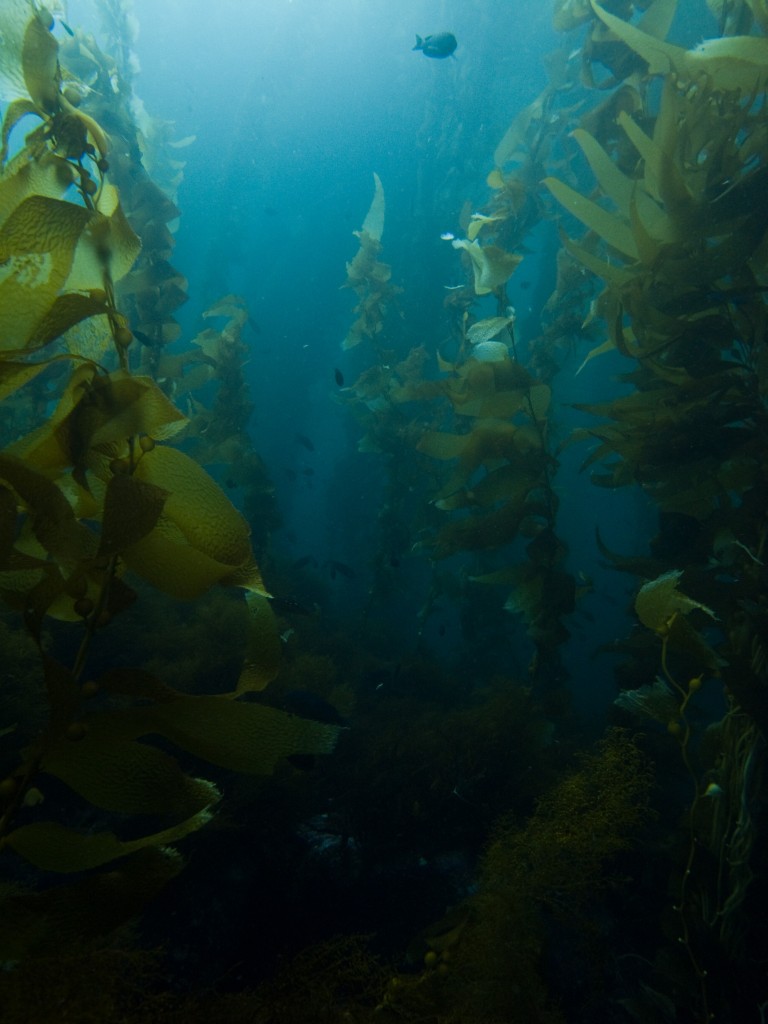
439, 46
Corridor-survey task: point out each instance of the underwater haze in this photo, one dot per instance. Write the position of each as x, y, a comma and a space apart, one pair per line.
293, 106
383, 488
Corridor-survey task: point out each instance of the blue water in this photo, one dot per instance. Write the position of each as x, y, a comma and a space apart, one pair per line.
293, 105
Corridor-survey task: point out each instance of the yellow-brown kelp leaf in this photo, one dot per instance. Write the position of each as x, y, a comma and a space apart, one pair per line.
81, 914
367, 276
501, 405
488, 442
613, 230
52, 847
373, 225
659, 600
109, 244
733, 62
508, 483
486, 329
15, 16
231, 306
22, 583
79, 130
264, 648
118, 406
240, 736
479, 532
569, 14
537, 403
247, 576
614, 275
200, 539
131, 510
52, 519
491, 265
657, 19
526, 598
16, 375
759, 10
614, 183
46, 175
514, 142
165, 559
13, 114
661, 178
131, 778
37, 243
98, 410
89, 338
441, 445
28, 56
40, 64
197, 505
66, 311
478, 221
598, 350
45, 448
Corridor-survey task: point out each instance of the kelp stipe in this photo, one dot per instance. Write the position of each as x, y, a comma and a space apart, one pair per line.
468, 444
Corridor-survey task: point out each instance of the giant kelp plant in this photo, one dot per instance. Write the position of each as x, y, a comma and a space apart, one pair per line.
93, 492
660, 153
679, 242
478, 418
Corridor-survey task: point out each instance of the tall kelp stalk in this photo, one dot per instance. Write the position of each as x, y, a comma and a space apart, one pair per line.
93, 493
466, 423
677, 237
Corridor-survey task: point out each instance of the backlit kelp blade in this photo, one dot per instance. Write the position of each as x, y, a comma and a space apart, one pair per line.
89, 493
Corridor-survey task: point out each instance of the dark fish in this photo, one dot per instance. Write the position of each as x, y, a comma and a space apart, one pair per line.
143, 338
342, 568
440, 45
304, 440
338, 376
313, 707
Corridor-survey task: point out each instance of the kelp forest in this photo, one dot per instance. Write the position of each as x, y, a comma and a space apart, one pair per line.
222, 798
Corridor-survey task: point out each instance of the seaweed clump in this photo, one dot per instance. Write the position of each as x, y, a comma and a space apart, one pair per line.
493, 960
